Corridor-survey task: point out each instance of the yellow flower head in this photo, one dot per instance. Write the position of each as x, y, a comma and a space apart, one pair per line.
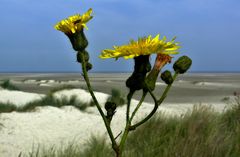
74, 23
144, 46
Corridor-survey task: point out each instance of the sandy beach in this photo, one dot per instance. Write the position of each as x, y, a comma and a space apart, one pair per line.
58, 126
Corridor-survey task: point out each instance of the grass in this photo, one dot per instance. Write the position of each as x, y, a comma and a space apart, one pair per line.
62, 87
48, 100
6, 84
200, 133
117, 97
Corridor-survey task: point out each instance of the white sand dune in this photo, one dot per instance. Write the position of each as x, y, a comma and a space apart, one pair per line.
82, 95
18, 98
44, 85
217, 84
51, 81
53, 126
43, 81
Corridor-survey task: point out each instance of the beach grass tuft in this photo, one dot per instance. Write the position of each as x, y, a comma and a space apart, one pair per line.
95, 147
7, 107
7, 84
48, 100
117, 97
60, 88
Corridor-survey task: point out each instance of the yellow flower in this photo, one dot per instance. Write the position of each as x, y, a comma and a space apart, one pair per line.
74, 23
144, 46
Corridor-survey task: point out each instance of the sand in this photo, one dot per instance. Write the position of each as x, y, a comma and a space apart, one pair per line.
18, 98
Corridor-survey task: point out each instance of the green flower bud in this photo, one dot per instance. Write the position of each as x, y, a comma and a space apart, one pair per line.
78, 40
166, 76
182, 64
141, 67
135, 81
110, 106
111, 109
151, 79
89, 66
142, 64
86, 56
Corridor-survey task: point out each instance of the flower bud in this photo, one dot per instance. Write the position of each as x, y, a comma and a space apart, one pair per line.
135, 81
160, 62
78, 40
166, 76
182, 64
86, 56
88, 66
151, 79
110, 106
111, 109
141, 67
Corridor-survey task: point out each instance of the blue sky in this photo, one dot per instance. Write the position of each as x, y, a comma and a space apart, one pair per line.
208, 31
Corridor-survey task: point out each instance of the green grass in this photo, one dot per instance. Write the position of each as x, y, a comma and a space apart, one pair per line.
117, 97
7, 107
95, 147
6, 84
48, 100
60, 88
200, 133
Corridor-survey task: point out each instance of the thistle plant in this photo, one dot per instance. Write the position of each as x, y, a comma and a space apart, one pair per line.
143, 78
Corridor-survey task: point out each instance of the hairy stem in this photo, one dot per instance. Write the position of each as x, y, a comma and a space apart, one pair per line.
107, 125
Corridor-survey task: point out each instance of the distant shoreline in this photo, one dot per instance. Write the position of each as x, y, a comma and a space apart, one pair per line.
112, 72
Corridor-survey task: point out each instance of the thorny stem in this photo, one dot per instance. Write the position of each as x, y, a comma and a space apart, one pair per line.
107, 125
157, 103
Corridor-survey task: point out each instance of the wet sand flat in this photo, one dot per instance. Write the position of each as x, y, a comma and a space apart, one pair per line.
189, 88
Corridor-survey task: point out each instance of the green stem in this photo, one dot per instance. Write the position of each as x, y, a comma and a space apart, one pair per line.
128, 123
157, 103
129, 97
138, 106
164, 95
123, 139
85, 74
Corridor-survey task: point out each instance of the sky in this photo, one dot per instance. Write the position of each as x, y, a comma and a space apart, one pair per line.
207, 30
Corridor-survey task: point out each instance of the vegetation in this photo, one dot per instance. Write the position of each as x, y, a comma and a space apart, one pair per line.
117, 97
59, 88
201, 132
6, 84
50, 100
